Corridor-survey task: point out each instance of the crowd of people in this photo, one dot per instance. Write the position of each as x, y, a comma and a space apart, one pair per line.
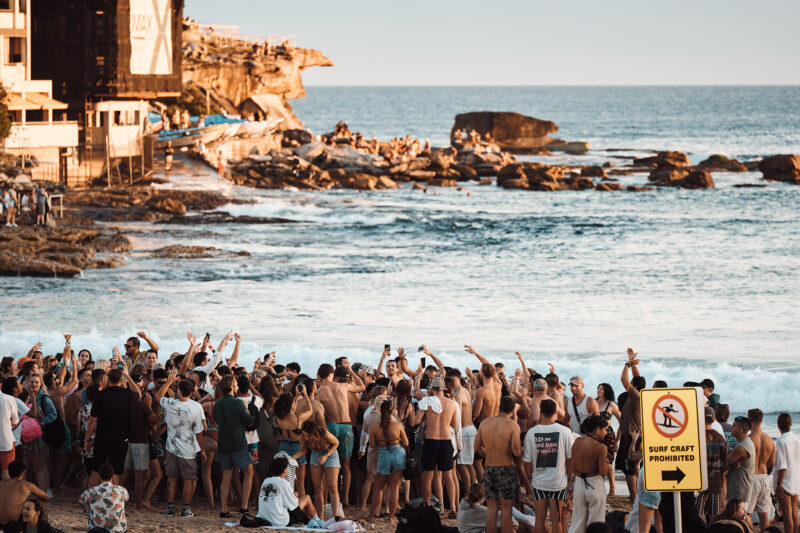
280, 445
397, 150
36, 201
472, 139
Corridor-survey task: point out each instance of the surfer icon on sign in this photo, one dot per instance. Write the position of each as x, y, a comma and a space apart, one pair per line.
669, 416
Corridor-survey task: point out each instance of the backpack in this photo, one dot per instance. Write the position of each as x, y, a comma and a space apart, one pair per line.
616, 521
31, 430
416, 517
252, 409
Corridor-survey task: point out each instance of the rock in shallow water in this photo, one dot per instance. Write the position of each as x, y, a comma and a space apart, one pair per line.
14, 264
782, 167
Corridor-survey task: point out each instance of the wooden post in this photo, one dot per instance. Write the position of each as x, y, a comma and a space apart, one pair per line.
130, 165
108, 162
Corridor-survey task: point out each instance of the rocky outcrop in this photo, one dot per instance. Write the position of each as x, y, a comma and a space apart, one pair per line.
593, 172
684, 178
181, 251
59, 251
720, 163
230, 71
663, 160
141, 203
514, 132
783, 167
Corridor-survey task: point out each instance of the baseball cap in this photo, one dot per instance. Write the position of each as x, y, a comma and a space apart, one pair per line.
437, 384
709, 414
577, 380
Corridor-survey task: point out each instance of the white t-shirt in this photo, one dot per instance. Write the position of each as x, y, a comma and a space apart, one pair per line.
251, 436
184, 420
22, 410
548, 447
9, 417
275, 499
787, 457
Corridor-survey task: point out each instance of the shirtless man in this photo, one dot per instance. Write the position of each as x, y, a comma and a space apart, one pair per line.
392, 369
589, 460
335, 398
556, 391
539, 394
15, 491
440, 414
487, 397
498, 440
761, 494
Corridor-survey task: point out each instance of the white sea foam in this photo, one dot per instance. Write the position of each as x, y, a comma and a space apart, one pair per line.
310, 212
770, 390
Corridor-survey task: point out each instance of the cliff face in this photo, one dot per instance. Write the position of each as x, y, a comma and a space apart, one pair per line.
232, 71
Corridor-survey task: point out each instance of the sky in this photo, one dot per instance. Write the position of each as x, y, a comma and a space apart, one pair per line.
531, 42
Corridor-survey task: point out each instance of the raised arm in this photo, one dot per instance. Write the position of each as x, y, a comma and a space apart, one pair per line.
236, 347
131, 384
356, 386
470, 349
35, 348
384, 355
525, 374
631, 363
163, 390
153, 344
403, 364
436, 360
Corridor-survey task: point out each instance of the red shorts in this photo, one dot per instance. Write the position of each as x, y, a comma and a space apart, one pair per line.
6, 458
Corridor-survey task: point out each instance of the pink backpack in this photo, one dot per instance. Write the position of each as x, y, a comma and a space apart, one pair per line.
31, 430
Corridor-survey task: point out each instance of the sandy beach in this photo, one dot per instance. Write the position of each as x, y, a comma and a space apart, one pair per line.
66, 514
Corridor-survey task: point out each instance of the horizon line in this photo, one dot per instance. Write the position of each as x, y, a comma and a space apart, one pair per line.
560, 85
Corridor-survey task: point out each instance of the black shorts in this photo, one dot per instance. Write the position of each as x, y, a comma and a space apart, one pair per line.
622, 463
112, 453
437, 454
297, 516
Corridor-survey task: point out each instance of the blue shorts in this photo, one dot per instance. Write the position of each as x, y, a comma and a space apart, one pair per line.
228, 460
332, 462
650, 500
390, 459
344, 434
292, 447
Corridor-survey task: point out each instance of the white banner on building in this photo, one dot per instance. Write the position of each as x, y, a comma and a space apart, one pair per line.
151, 37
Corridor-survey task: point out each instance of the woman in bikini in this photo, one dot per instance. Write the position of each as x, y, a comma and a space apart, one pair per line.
324, 464
608, 408
389, 436
289, 424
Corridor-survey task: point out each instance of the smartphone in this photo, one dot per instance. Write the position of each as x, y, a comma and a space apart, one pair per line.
422, 360
420, 349
387, 347
120, 364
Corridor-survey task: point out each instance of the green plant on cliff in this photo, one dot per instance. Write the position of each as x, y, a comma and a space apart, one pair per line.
5, 116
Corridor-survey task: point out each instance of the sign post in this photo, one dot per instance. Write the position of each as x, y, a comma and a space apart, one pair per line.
674, 442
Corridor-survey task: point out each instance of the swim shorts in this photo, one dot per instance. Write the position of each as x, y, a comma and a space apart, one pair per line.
560, 495
437, 454
467, 454
760, 495
344, 433
500, 482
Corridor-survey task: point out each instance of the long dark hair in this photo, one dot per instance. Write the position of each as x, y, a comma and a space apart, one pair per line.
318, 432
608, 392
283, 406
40, 508
269, 391
403, 393
386, 417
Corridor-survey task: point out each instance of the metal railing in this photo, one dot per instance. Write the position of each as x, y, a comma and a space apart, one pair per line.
222, 33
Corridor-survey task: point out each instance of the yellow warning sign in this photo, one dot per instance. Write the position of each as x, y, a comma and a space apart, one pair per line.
674, 440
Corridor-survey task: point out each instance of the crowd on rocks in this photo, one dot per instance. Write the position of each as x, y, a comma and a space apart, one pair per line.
276, 445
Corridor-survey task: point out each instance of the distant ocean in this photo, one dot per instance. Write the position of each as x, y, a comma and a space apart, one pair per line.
701, 283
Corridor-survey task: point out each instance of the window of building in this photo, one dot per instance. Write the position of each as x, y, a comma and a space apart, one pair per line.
102, 115
23, 6
5, 5
16, 45
136, 117
34, 115
118, 118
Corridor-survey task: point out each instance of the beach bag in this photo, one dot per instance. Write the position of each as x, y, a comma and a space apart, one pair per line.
616, 521
252, 410
413, 468
55, 432
31, 430
416, 517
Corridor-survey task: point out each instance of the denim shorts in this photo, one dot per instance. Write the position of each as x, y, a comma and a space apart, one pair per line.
332, 462
292, 447
391, 458
240, 459
650, 500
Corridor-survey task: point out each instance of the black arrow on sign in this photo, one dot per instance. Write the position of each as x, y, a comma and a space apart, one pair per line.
673, 475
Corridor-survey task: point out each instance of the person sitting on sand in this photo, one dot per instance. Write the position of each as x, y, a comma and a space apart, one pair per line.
106, 503
32, 519
15, 492
277, 503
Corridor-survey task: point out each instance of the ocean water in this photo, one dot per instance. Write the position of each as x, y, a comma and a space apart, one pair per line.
700, 283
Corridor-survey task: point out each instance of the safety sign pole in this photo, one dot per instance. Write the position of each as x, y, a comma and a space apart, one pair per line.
676, 501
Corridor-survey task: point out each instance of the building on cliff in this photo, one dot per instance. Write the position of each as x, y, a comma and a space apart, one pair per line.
39, 123
107, 59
